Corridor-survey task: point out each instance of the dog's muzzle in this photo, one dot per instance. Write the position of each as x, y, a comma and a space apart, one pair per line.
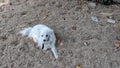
46, 40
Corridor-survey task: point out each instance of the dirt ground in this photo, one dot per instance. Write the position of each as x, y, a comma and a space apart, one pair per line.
81, 41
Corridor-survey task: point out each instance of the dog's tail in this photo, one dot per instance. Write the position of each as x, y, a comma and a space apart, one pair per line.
26, 31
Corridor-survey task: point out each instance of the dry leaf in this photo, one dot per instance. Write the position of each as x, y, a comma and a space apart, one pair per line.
45, 16
117, 37
117, 27
78, 67
4, 3
24, 13
53, 58
1, 4
22, 25
60, 42
117, 43
105, 54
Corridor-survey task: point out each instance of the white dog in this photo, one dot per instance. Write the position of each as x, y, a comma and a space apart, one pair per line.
42, 35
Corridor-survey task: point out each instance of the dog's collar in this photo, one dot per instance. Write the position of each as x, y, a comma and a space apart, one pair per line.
42, 46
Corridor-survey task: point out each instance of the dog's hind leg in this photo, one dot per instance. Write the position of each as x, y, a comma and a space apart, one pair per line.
34, 39
26, 31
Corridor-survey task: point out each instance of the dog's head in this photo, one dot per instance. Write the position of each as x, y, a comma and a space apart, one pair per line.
44, 38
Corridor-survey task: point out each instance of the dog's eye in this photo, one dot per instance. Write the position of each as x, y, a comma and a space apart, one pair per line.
46, 35
41, 35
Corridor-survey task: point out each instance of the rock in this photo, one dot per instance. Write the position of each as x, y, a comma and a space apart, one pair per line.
74, 27
92, 4
111, 21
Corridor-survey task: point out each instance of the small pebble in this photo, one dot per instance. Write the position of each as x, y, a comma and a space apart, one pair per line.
95, 19
74, 27
85, 43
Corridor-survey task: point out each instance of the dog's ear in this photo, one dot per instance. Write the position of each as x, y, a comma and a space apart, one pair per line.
51, 31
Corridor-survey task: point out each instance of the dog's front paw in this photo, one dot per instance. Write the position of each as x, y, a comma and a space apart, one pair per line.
55, 52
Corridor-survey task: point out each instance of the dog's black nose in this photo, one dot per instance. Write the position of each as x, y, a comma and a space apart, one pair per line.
44, 40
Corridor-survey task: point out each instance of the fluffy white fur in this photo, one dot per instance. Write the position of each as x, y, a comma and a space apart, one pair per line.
42, 35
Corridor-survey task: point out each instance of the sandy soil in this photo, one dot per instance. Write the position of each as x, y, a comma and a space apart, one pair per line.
81, 41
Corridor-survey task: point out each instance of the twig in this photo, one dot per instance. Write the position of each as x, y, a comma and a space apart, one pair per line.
4, 3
